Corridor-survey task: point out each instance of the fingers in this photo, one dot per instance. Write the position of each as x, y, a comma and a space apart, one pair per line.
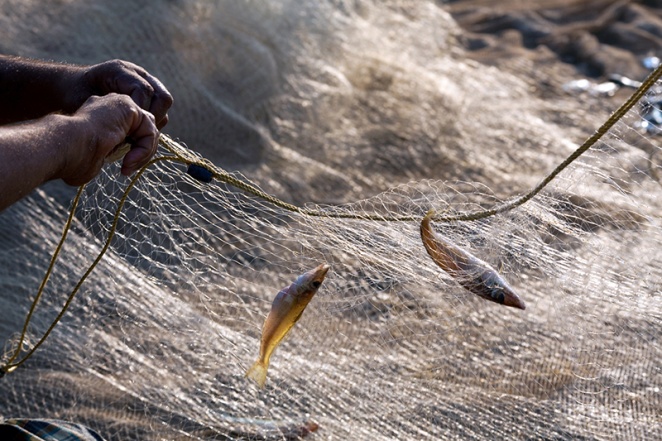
146, 90
144, 136
103, 123
126, 78
140, 91
160, 103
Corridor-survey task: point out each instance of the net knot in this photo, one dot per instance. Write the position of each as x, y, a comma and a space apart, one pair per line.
200, 172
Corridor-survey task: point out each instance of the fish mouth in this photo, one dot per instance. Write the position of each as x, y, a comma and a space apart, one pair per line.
316, 276
512, 299
320, 271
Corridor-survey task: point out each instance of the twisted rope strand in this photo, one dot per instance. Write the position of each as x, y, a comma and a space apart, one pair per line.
181, 156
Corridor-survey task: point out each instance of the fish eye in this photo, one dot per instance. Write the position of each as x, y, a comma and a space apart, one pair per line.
317, 284
498, 294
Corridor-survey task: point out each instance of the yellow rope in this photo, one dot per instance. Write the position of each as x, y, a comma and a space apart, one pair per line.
21, 340
10, 365
181, 156
470, 216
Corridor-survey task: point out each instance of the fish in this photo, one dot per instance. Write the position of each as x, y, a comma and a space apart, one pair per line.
471, 272
286, 310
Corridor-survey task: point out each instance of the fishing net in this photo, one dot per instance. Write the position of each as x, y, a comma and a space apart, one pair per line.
168, 277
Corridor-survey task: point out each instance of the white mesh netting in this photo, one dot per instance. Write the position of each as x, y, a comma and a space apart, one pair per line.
156, 342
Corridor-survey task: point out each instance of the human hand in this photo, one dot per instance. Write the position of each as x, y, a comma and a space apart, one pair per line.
122, 77
101, 124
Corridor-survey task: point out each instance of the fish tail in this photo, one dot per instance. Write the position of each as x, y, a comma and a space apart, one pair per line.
436, 246
429, 215
258, 373
426, 230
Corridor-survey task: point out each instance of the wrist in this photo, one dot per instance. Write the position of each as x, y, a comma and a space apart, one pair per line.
73, 88
63, 137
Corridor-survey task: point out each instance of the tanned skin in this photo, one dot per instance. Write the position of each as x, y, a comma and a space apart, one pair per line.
60, 121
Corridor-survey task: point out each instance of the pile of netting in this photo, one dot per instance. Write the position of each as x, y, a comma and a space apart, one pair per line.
171, 274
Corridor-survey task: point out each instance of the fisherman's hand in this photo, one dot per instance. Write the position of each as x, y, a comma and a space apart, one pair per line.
100, 125
123, 77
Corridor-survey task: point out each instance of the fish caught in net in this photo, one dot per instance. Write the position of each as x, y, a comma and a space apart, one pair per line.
174, 271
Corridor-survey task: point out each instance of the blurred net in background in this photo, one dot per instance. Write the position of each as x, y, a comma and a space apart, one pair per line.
156, 343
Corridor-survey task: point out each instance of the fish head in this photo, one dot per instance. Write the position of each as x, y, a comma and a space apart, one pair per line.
308, 283
494, 288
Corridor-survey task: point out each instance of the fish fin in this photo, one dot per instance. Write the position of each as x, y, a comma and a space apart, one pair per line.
258, 373
296, 319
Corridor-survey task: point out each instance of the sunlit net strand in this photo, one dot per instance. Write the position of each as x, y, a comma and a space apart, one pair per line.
152, 390
370, 247
520, 233
345, 235
186, 157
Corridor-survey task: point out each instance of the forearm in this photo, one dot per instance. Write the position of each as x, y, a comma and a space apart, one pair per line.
74, 116
31, 154
30, 88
